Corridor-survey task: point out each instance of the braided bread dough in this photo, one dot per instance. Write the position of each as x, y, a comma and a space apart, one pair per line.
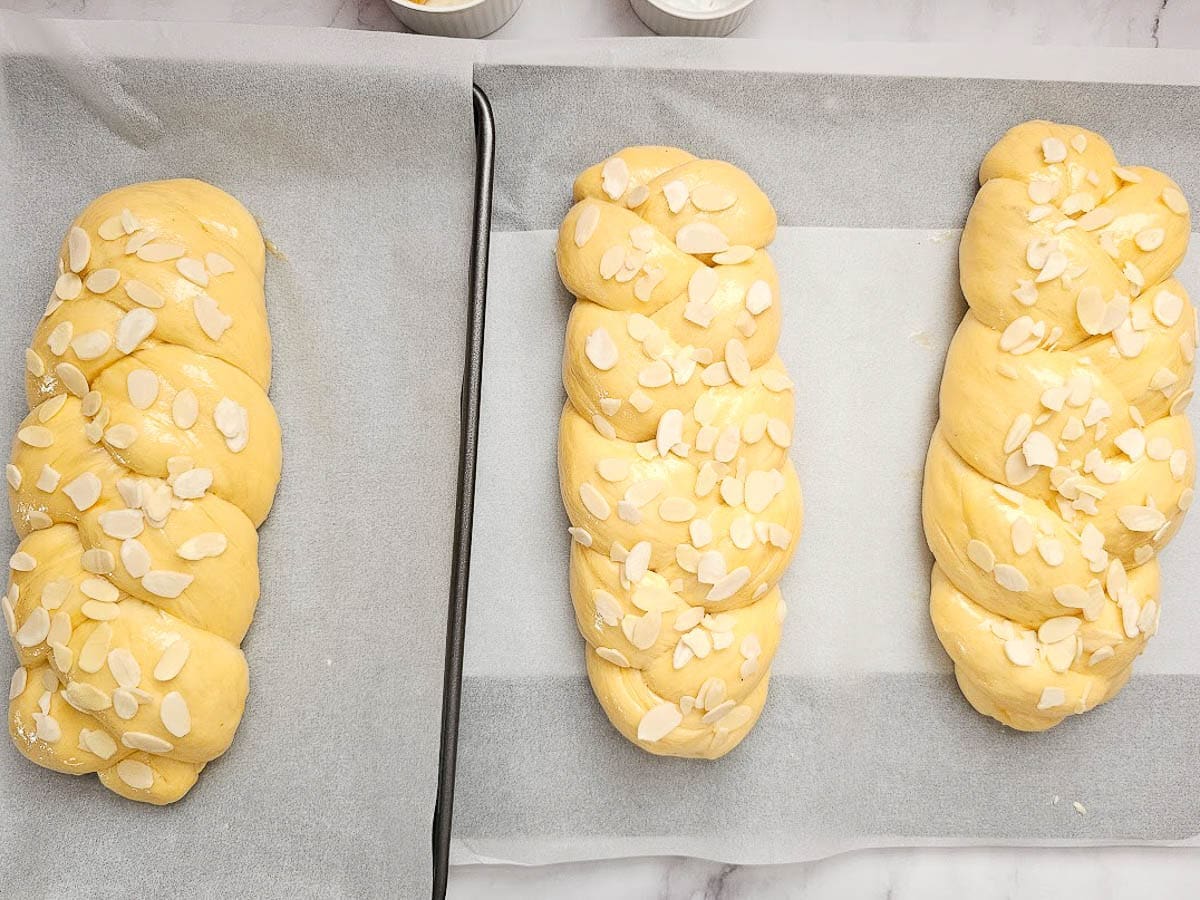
673, 460
1063, 462
137, 481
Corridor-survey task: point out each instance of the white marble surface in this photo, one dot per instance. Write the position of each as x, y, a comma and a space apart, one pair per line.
1110, 23
896, 874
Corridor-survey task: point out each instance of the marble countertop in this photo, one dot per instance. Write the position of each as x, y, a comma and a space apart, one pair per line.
896, 874
1108, 23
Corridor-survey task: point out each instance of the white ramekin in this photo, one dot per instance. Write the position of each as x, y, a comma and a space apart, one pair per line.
662, 18
468, 19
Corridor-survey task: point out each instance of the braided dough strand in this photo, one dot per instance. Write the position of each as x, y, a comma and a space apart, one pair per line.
1062, 463
150, 455
673, 446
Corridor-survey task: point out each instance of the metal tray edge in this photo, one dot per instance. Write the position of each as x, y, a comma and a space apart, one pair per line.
485, 155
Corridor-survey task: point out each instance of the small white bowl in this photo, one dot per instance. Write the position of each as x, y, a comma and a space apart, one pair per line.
468, 19
663, 18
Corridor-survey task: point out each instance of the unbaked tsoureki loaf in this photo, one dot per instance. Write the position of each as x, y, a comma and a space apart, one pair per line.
673, 446
137, 481
1063, 462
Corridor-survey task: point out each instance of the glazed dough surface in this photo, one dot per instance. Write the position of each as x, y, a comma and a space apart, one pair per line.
673, 446
150, 455
1063, 462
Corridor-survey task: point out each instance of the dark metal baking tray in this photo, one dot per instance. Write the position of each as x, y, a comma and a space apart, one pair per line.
456, 617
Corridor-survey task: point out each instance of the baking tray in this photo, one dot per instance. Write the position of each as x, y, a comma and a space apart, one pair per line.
456, 617
330, 788
870, 158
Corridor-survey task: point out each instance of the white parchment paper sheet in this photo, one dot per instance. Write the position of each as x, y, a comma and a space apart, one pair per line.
329, 787
865, 739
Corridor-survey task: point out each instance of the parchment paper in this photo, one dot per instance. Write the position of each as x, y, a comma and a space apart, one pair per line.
865, 739
328, 789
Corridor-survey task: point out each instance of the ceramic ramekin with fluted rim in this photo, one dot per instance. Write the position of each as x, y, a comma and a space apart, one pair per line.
662, 17
468, 19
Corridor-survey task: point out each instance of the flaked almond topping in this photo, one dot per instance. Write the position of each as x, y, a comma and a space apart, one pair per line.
1081, 201
656, 374
676, 509
175, 715
133, 328
51, 408
1026, 292
213, 322
1175, 201
659, 722
601, 350
981, 554
1042, 191
1141, 518
97, 560
700, 238
86, 697
1053, 150
616, 657
160, 251
111, 229
1168, 307
614, 175
676, 193
1021, 534
712, 197
166, 584
102, 281
59, 338
139, 740
1010, 578
1022, 335
135, 557
124, 667
1051, 698
79, 249
100, 589
670, 431
735, 255
1099, 217
758, 297
68, 286
737, 361
142, 388
593, 501
1056, 265
136, 775
1096, 316
121, 436
193, 270
1039, 450
143, 294
1058, 629
1178, 463
72, 379
20, 678
1129, 343
91, 344
1149, 239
